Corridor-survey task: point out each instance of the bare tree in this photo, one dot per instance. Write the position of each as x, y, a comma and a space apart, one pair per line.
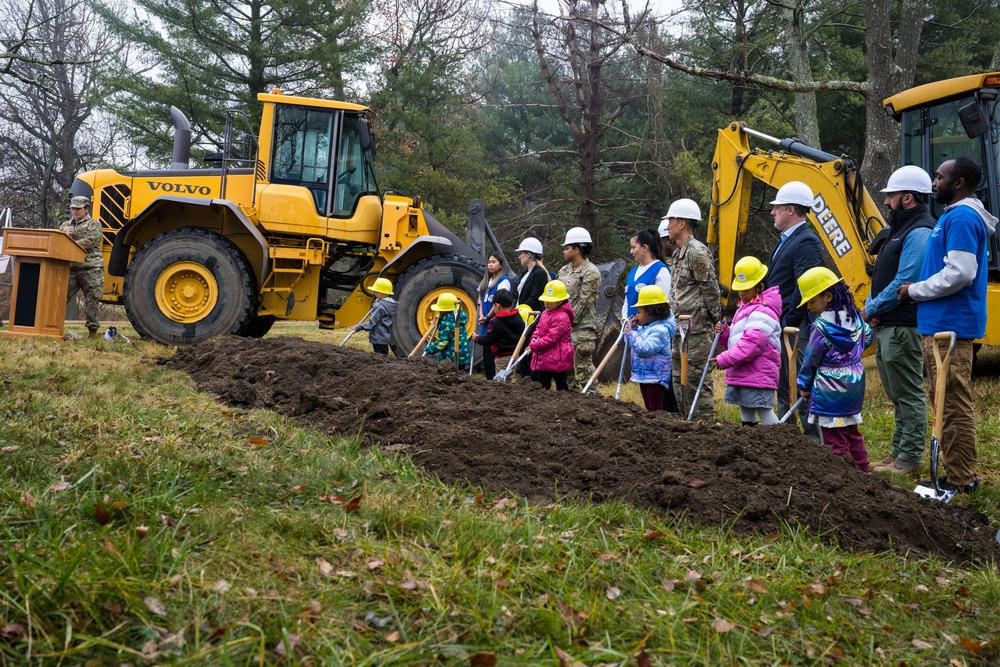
46, 132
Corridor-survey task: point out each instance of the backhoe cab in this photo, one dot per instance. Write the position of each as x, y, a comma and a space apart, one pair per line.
295, 230
939, 121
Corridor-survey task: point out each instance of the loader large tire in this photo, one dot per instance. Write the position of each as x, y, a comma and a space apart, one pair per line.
187, 285
419, 286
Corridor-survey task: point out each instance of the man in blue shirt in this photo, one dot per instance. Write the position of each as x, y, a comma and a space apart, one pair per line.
951, 296
898, 350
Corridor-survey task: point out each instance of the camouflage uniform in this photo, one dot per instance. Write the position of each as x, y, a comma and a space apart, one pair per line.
694, 291
583, 285
87, 276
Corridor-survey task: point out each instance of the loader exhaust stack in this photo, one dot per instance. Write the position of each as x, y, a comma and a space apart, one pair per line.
182, 139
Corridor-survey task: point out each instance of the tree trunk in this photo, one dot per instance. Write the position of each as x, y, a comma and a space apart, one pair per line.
806, 122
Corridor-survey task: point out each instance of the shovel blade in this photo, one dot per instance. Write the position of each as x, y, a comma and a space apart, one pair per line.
927, 490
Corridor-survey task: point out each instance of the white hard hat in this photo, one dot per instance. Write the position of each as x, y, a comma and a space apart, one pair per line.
530, 244
662, 229
577, 235
909, 179
794, 192
684, 208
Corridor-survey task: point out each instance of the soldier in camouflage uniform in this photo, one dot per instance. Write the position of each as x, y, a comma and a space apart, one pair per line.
86, 276
694, 291
583, 283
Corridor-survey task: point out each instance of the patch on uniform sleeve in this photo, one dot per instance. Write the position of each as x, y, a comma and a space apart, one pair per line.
701, 267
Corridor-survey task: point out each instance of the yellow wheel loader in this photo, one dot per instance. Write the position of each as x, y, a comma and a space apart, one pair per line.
295, 229
939, 121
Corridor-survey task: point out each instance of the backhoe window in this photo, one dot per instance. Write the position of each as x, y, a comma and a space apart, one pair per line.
302, 150
355, 176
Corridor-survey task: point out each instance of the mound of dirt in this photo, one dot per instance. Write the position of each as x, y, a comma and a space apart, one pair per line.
543, 445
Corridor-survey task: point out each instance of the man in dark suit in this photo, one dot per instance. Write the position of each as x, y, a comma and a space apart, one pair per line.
798, 252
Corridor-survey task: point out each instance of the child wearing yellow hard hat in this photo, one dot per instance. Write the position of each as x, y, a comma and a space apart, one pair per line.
832, 378
551, 346
442, 345
379, 323
751, 345
650, 333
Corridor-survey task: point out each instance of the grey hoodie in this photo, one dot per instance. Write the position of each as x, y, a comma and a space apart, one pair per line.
379, 325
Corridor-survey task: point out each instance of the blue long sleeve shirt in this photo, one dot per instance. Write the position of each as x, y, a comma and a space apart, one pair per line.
911, 259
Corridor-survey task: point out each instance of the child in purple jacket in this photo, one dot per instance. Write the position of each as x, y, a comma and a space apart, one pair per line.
753, 359
551, 347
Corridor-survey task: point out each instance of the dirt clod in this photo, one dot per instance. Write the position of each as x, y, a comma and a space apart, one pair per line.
519, 438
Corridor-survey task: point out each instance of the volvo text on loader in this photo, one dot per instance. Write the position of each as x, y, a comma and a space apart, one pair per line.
939, 121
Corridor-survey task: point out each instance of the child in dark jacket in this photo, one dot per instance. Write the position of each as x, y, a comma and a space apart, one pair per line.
832, 378
443, 344
551, 347
503, 330
379, 323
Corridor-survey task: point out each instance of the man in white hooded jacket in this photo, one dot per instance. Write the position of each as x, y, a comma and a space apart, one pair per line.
951, 296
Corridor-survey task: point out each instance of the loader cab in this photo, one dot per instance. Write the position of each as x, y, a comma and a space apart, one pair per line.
950, 123
329, 151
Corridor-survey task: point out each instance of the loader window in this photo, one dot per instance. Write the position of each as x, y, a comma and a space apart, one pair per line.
302, 150
355, 176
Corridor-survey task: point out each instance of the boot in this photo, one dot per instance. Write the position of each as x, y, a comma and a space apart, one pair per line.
93, 334
749, 423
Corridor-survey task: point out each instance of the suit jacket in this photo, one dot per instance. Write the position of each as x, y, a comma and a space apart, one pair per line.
801, 252
531, 287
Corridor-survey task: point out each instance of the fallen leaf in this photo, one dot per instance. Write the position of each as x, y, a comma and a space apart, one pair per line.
692, 575
922, 645
353, 505
973, 647
110, 547
392, 636
141, 531
815, 589
149, 651
920, 588
697, 483
722, 625
299, 488
324, 567
374, 563
669, 584
642, 660
100, 514
613, 592
942, 582
291, 640
28, 500
12, 631
482, 660
565, 659
9, 448
257, 442
60, 486
221, 586
652, 535
755, 585
119, 505
505, 503
155, 606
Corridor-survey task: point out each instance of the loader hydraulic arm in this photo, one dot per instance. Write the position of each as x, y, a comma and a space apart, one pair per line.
843, 213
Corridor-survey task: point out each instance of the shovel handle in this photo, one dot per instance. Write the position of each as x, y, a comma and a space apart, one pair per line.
604, 361
424, 339
685, 333
942, 363
360, 322
524, 337
704, 372
791, 411
791, 347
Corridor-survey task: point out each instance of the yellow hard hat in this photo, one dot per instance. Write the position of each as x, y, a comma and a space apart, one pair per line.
555, 291
650, 295
382, 286
525, 311
815, 281
445, 303
749, 272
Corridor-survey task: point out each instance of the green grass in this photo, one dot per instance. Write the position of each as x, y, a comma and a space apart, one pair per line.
197, 533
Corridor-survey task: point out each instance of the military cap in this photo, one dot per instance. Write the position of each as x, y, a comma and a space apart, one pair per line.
79, 202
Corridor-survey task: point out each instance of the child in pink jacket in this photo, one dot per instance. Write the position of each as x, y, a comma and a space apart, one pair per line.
752, 359
551, 347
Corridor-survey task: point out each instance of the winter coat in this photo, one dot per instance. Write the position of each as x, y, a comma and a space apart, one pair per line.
551, 347
652, 351
444, 338
503, 330
832, 368
752, 343
379, 324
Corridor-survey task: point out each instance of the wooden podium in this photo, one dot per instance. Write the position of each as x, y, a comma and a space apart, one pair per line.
41, 280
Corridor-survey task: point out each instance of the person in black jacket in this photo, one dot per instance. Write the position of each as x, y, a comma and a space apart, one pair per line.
532, 283
898, 350
503, 330
798, 252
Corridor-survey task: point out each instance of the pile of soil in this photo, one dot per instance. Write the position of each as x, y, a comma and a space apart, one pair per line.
520, 438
